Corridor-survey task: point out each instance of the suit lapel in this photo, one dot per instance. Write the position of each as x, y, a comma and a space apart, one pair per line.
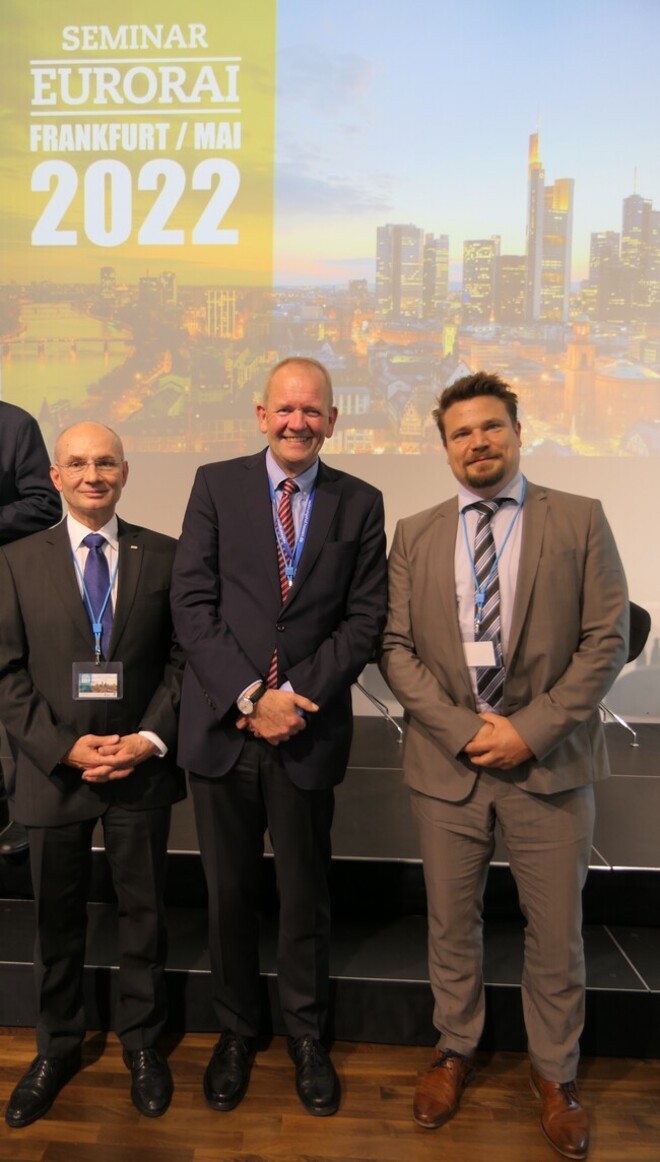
65, 582
131, 555
534, 513
326, 500
443, 570
258, 520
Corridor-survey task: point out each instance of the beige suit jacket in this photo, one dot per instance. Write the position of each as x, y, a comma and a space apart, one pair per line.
568, 641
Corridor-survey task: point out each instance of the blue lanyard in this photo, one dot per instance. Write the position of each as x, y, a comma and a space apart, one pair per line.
291, 556
480, 590
97, 626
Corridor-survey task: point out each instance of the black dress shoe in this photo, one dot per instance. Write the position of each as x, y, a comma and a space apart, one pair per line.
152, 1086
228, 1072
13, 839
317, 1084
38, 1088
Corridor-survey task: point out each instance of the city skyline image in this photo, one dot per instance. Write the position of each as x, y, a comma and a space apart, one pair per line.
441, 191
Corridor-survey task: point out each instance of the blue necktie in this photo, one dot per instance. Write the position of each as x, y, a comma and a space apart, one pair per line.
97, 584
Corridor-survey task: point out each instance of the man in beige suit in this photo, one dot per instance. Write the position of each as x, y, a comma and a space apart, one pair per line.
500, 648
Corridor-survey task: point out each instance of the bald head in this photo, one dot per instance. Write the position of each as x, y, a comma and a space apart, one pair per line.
90, 472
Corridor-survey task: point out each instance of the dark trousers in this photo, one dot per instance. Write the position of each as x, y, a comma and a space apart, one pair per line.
232, 815
7, 777
60, 859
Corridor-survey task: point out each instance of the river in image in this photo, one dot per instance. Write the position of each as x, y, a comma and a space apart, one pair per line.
59, 353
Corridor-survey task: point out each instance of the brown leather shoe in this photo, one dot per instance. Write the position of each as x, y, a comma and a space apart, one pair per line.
439, 1090
563, 1120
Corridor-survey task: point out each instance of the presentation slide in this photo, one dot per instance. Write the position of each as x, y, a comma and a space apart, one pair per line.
407, 192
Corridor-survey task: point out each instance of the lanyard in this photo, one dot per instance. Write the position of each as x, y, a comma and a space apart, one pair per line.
291, 556
480, 590
97, 626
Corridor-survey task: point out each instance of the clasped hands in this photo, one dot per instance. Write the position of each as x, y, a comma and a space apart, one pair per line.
497, 744
102, 758
276, 716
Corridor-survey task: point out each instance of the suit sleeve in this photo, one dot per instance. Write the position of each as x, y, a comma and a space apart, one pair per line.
601, 651
23, 709
420, 693
204, 635
340, 658
36, 504
161, 716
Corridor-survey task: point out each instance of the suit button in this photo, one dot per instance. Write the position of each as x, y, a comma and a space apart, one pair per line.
279, 627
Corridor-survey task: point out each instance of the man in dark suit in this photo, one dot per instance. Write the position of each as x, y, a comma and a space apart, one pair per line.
279, 599
90, 704
507, 626
28, 502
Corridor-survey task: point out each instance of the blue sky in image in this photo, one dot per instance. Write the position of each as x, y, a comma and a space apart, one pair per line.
421, 112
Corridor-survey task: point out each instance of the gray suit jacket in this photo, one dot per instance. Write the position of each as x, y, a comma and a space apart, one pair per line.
567, 644
43, 629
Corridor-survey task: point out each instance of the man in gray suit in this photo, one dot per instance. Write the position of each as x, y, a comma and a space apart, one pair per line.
507, 626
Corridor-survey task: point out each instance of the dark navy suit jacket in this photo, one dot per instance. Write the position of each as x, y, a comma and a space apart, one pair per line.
229, 616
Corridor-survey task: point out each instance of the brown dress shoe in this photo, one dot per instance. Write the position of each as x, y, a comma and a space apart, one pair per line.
439, 1090
563, 1120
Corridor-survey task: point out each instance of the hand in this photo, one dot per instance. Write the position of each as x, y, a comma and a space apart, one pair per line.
497, 744
85, 754
276, 716
121, 758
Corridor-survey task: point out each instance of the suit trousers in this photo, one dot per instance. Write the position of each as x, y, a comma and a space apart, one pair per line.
60, 860
548, 840
232, 815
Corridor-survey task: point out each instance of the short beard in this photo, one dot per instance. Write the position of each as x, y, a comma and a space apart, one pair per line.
495, 476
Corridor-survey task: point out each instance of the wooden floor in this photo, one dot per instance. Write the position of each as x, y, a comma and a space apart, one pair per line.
93, 1119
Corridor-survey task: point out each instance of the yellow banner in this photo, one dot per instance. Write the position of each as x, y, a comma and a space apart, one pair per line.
138, 137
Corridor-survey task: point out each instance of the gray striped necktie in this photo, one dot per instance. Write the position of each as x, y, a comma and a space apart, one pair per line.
490, 679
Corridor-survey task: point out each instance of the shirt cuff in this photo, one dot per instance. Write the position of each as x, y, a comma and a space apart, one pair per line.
161, 749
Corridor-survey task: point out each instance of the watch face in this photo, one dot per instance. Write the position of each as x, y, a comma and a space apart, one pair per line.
245, 705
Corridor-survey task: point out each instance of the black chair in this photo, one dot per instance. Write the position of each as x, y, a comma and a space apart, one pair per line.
640, 628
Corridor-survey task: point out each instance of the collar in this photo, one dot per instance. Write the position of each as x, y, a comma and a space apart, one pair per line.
305, 480
77, 532
511, 491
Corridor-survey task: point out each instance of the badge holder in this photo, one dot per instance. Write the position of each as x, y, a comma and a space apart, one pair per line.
98, 681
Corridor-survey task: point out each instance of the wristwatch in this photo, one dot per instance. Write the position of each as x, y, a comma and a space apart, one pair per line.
247, 702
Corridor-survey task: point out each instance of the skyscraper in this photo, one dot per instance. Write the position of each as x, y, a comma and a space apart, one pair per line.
436, 274
479, 279
549, 241
640, 255
399, 271
510, 282
604, 274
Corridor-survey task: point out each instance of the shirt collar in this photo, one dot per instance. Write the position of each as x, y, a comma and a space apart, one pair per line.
513, 490
305, 480
77, 532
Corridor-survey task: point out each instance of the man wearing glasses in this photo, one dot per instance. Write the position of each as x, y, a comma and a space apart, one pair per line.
89, 692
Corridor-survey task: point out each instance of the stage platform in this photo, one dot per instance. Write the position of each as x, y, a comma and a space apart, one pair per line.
378, 963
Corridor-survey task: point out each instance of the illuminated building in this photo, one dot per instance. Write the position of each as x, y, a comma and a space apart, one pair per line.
580, 379
168, 283
510, 281
399, 268
640, 258
108, 282
479, 258
549, 240
604, 275
221, 314
435, 274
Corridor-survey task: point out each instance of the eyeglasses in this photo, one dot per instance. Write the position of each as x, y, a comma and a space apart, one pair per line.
105, 467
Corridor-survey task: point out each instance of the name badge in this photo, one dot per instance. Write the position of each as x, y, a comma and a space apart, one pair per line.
103, 682
479, 653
